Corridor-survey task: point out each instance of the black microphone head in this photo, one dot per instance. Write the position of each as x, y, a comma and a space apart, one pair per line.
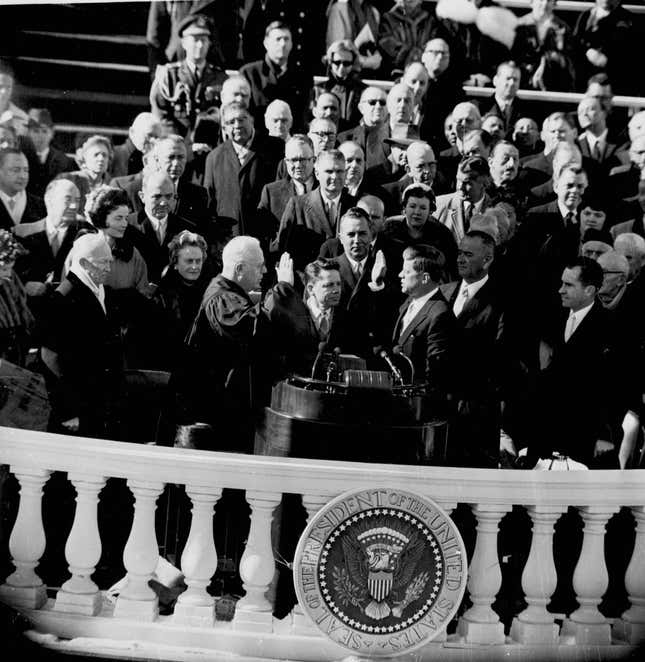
377, 349
321, 346
397, 349
337, 350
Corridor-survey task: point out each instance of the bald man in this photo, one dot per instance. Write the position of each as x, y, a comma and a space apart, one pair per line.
142, 134
153, 228
80, 346
224, 381
420, 168
49, 240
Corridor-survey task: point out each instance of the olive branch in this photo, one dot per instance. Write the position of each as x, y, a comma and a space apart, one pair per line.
413, 591
348, 592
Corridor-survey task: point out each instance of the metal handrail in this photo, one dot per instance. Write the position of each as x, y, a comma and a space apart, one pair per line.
563, 5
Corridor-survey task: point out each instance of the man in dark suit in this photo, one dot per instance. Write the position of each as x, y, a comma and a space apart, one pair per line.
594, 141
505, 102
50, 161
311, 218
190, 200
575, 405
153, 228
373, 128
80, 344
478, 361
16, 205
237, 170
299, 161
425, 329
550, 238
49, 240
275, 77
128, 157
557, 127
624, 180
182, 90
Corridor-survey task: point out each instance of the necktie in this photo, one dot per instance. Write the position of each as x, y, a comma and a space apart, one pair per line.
331, 213
569, 219
323, 325
460, 302
359, 270
55, 244
468, 212
12, 204
597, 154
571, 325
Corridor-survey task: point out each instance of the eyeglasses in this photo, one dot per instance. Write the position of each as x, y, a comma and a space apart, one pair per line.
342, 63
608, 273
439, 53
299, 159
374, 102
322, 134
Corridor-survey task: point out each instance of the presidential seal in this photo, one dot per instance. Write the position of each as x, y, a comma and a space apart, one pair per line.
380, 571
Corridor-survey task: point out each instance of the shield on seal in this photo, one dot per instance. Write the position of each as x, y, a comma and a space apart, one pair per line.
379, 584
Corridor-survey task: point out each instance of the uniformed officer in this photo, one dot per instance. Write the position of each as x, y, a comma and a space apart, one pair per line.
184, 90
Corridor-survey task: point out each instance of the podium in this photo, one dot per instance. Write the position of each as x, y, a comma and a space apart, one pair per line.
363, 418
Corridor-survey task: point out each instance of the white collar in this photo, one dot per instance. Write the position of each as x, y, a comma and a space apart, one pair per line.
581, 314
473, 288
354, 263
158, 222
417, 304
97, 290
316, 311
503, 103
564, 211
592, 139
52, 229
21, 195
327, 200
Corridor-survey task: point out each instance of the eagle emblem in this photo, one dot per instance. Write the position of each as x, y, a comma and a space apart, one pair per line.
381, 574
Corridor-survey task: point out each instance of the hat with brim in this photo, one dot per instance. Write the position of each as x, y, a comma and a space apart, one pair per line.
403, 135
195, 24
39, 117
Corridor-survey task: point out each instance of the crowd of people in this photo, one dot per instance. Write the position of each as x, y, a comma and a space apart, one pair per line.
252, 221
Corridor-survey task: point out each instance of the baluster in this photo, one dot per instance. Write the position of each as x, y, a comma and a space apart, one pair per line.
23, 587
480, 624
590, 579
140, 556
198, 560
257, 565
535, 624
301, 623
80, 594
631, 626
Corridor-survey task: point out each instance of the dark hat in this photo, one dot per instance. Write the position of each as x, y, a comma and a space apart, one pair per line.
39, 117
403, 135
198, 22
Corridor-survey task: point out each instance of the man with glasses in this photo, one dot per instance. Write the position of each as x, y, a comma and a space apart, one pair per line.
237, 170
373, 127
310, 219
444, 91
274, 77
299, 161
182, 90
322, 133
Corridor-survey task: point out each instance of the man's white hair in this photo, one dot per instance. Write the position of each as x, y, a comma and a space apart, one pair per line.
277, 105
238, 251
630, 240
88, 247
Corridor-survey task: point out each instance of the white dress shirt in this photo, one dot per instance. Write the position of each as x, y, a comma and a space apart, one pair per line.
15, 205
414, 307
573, 322
467, 291
42, 156
55, 235
322, 318
600, 140
357, 265
160, 226
243, 151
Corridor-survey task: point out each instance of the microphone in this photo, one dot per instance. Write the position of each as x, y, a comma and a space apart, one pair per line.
322, 346
399, 352
379, 351
333, 364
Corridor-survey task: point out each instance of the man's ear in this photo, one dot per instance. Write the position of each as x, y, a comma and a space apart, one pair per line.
141, 196
85, 263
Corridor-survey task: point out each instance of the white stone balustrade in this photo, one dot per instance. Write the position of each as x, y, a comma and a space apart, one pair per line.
141, 555
480, 624
23, 587
79, 594
590, 581
254, 633
257, 564
198, 560
632, 625
535, 625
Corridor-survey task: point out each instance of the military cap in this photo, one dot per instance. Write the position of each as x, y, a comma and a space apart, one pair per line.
198, 22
